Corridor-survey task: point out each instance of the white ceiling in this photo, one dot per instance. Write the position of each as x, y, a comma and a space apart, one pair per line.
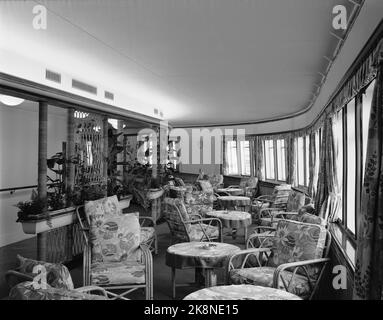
199, 61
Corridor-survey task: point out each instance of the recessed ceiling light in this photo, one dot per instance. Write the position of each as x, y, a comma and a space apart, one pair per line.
10, 101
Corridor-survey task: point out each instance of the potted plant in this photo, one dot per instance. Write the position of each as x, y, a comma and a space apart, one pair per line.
31, 213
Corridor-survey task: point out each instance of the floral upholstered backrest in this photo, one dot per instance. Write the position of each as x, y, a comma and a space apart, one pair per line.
309, 218
281, 195
58, 275
295, 201
114, 236
206, 186
173, 215
297, 241
250, 182
216, 180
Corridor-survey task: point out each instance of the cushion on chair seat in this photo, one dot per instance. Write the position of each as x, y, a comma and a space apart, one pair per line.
126, 272
263, 276
26, 291
196, 233
147, 233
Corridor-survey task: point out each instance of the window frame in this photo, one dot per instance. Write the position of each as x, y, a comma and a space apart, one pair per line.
275, 157
239, 158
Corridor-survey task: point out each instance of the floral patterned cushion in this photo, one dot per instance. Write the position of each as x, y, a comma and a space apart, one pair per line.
147, 233
26, 291
206, 186
309, 218
199, 197
295, 201
196, 233
281, 194
58, 275
125, 272
296, 241
200, 209
114, 236
216, 180
263, 276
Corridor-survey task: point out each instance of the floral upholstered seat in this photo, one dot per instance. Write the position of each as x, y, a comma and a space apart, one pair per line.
105, 273
27, 291
147, 233
199, 231
263, 276
294, 259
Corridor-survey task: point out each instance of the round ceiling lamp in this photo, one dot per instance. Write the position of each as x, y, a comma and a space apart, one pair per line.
10, 101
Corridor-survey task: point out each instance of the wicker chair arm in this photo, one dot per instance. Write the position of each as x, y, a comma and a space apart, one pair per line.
89, 289
18, 276
296, 266
264, 198
247, 253
234, 187
144, 218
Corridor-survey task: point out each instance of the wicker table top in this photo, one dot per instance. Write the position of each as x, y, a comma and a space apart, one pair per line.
241, 292
199, 254
232, 219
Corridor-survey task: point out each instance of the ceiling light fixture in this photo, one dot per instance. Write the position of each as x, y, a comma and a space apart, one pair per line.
10, 100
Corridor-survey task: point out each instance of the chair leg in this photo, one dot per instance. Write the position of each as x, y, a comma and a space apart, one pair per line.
155, 244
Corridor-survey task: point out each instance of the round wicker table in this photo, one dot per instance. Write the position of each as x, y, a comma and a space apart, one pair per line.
227, 202
232, 219
241, 292
205, 255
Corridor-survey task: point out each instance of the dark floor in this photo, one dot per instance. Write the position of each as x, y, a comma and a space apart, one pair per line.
162, 282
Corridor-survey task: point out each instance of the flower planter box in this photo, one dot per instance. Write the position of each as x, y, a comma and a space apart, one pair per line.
39, 223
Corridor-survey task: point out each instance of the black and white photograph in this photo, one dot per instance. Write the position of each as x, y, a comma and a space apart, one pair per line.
171, 154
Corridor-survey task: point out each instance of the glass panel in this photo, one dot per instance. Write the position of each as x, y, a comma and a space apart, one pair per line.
351, 166
269, 159
367, 100
281, 160
245, 158
232, 157
300, 168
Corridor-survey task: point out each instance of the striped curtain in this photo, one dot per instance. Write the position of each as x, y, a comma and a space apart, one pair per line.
312, 164
259, 158
368, 279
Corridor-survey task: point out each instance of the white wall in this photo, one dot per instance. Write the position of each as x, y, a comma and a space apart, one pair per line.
18, 158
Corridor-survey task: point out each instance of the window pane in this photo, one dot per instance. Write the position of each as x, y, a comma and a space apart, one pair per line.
269, 159
300, 168
281, 158
232, 157
307, 164
245, 158
367, 99
351, 166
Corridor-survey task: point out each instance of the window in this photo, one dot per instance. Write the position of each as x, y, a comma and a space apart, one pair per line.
231, 153
269, 159
245, 158
366, 109
281, 159
238, 159
350, 167
338, 150
302, 152
275, 160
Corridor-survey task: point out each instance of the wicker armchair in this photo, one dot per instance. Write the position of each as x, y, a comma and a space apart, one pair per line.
185, 227
58, 286
296, 200
114, 259
293, 259
249, 187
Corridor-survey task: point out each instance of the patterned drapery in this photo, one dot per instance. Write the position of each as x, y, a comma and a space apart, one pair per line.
312, 164
291, 160
368, 281
322, 188
259, 154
